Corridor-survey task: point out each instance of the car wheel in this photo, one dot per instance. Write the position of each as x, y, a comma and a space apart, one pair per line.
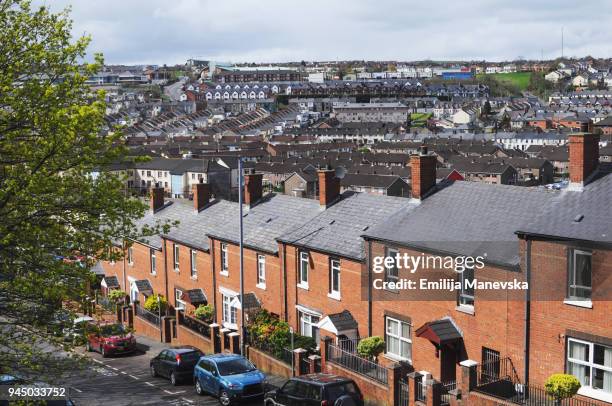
224, 398
198, 387
173, 378
153, 371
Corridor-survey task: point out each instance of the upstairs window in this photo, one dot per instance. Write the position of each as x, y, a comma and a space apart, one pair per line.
579, 275
261, 271
224, 259
334, 278
194, 269
304, 265
466, 293
176, 257
391, 272
130, 256
153, 262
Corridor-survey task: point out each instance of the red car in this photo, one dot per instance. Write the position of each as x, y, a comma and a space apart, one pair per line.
111, 339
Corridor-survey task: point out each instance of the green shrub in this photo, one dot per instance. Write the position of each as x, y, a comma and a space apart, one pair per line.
153, 306
370, 347
205, 313
116, 296
265, 328
562, 386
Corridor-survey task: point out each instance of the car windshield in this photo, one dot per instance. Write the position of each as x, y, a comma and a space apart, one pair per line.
191, 356
234, 366
112, 330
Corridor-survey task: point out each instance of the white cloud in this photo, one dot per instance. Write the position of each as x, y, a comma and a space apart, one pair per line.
161, 31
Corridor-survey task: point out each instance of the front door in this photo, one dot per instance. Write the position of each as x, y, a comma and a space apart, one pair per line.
448, 363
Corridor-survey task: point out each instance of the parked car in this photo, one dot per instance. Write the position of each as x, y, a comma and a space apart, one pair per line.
175, 363
110, 339
316, 389
78, 330
230, 377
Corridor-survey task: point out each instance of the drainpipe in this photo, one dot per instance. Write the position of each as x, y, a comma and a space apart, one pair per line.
124, 246
284, 271
166, 272
211, 252
527, 308
368, 256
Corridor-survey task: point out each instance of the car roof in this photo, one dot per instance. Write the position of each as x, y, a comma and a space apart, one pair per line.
183, 349
222, 357
322, 379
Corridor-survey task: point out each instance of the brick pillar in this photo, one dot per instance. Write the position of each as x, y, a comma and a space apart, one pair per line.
299, 354
455, 397
468, 378
166, 328
119, 312
434, 393
313, 363
413, 378
234, 340
325, 340
216, 343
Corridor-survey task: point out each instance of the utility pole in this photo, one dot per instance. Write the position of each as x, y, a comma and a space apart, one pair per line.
242, 327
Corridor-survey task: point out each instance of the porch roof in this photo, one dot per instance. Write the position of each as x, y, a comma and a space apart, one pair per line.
110, 282
440, 332
194, 296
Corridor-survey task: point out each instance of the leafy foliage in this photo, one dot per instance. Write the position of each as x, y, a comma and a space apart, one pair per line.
116, 295
562, 386
370, 347
205, 313
267, 330
57, 219
154, 302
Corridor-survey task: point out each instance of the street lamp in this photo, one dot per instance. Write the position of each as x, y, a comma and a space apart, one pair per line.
242, 327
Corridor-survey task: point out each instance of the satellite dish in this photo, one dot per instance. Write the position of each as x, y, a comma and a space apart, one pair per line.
340, 172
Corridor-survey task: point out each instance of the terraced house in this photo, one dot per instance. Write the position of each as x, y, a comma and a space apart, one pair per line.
319, 265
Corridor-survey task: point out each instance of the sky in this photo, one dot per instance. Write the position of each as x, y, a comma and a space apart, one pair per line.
172, 31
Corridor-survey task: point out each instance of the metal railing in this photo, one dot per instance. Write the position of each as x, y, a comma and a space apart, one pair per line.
107, 304
349, 344
404, 393
147, 315
421, 390
445, 394
357, 364
537, 396
193, 324
284, 354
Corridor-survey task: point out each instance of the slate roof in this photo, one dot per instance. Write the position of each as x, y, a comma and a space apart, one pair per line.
111, 281
582, 215
195, 296
251, 301
377, 181
338, 229
468, 218
343, 321
143, 285
272, 216
442, 331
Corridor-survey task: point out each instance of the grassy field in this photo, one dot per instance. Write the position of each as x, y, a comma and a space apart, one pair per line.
519, 79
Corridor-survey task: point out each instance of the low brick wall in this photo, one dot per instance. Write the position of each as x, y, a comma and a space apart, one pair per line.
373, 392
145, 328
185, 336
267, 363
482, 399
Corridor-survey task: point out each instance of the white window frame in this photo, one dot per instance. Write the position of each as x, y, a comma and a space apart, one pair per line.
572, 276
176, 256
303, 259
180, 303
224, 259
461, 295
193, 254
399, 337
261, 271
229, 313
153, 261
306, 319
588, 390
391, 252
334, 276
130, 256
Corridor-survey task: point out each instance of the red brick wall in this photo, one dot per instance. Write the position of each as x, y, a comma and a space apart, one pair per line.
145, 328
551, 318
182, 279
268, 364
372, 391
141, 269
184, 336
495, 324
316, 297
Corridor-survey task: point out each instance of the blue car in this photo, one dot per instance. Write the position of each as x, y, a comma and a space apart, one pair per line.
230, 377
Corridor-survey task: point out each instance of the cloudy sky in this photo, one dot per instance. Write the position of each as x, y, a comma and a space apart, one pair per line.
171, 31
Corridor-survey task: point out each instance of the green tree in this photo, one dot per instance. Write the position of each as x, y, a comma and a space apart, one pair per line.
51, 207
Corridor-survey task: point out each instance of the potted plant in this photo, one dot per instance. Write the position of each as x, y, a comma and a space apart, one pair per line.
561, 386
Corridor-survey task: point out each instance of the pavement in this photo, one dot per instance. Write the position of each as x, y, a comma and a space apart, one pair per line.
125, 380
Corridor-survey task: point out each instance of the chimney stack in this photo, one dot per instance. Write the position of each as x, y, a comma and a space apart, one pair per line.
583, 157
423, 169
156, 200
201, 195
329, 187
253, 189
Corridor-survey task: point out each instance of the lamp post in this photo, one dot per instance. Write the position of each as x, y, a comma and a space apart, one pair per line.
240, 198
